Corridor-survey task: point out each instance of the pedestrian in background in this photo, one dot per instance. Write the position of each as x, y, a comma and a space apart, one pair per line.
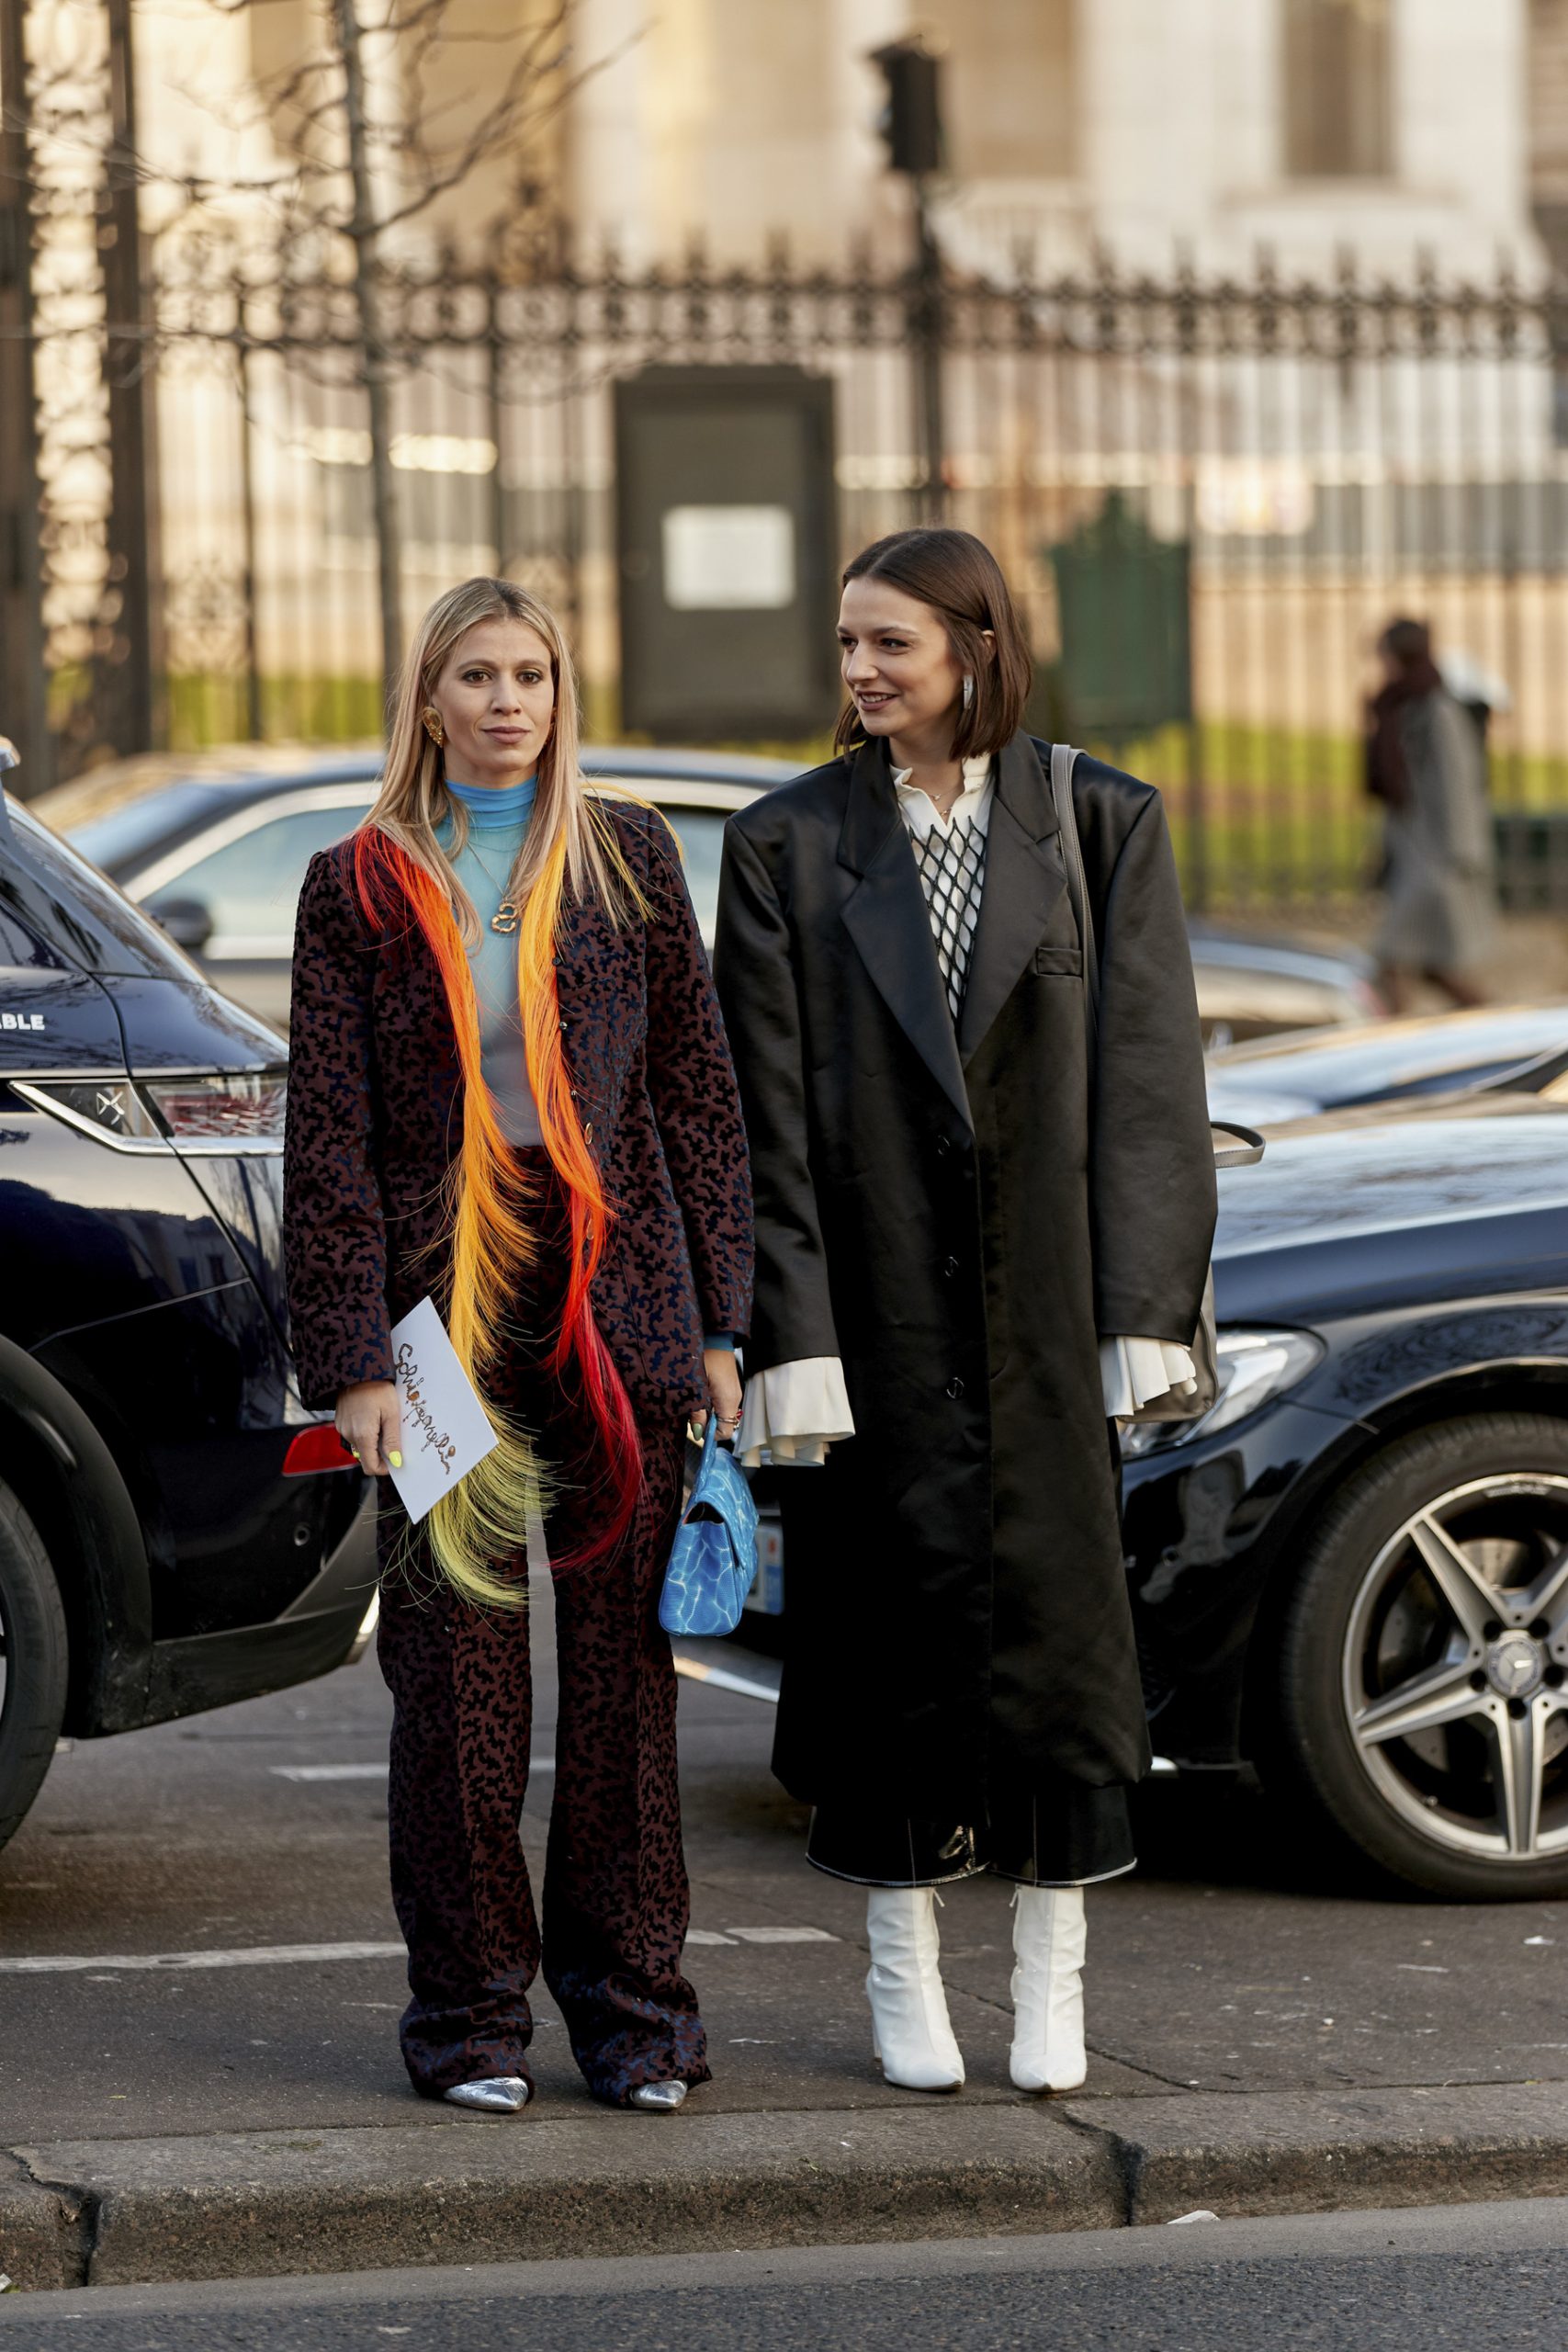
973, 1252
1426, 765
509, 1089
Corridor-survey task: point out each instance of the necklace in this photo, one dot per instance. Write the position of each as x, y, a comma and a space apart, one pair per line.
508, 914
944, 800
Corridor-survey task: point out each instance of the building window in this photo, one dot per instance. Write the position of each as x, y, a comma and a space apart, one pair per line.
1338, 115
1010, 86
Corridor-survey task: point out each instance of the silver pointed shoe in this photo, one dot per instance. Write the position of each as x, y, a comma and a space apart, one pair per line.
659, 2098
497, 2095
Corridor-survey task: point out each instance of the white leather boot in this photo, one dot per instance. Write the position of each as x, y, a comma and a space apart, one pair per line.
1048, 1935
910, 2028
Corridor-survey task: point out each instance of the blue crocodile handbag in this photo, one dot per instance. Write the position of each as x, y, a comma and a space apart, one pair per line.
713, 1560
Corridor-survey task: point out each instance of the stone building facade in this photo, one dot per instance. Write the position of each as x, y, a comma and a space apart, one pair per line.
1139, 127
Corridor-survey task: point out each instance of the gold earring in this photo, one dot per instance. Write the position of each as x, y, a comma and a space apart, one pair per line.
432, 726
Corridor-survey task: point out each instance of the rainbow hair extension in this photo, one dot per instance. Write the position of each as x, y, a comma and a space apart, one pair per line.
578, 1342
493, 1243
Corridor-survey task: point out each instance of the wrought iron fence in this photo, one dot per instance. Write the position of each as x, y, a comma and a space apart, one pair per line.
1209, 496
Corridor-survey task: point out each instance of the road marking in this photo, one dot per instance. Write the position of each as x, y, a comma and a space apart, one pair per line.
760, 1936
368, 1771
721, 1679
253, 1956
782, 1934
281, 1955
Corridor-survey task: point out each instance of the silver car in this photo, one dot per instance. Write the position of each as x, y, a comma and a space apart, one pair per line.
216, 845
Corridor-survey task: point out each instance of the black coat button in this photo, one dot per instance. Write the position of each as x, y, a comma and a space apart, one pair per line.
951, 1267
955, 1388
942, 1147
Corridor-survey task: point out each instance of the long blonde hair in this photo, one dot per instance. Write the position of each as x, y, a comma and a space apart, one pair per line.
570, 847
413, 799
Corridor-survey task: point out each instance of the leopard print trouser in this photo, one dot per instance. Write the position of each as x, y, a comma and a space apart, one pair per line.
615, 1900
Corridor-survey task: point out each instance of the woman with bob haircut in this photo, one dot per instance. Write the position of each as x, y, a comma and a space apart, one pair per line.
510, 1091
976, 1250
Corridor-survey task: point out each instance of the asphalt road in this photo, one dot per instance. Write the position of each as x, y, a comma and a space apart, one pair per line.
1378, 2282
1221, 1964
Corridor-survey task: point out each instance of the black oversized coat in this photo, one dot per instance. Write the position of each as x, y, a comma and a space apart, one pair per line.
945, 1212
375, 1123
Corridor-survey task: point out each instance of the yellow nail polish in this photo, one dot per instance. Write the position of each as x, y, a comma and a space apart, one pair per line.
396, 1460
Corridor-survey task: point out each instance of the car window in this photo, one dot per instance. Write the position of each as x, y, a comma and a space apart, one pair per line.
699, 833
78, 912
251, 887
117, 838
21, 949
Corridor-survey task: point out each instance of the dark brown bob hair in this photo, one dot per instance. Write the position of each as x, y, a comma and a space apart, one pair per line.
957, 576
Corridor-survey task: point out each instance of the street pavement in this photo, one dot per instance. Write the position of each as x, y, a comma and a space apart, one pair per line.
1263, 2040
1380, 2281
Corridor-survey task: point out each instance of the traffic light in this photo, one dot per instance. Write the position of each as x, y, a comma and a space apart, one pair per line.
911, 123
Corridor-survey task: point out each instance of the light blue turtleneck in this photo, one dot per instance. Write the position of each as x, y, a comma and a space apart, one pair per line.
498, 820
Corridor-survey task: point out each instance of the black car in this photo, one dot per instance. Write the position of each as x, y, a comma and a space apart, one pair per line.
215, 845
1521, 1048
170, 1535
1353, 1574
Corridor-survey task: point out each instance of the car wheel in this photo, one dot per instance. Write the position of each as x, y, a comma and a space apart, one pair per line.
33, 1657
1423, 1661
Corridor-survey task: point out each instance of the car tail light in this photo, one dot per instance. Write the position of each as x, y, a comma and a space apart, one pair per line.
316, 1449
198, 1112
222, 1112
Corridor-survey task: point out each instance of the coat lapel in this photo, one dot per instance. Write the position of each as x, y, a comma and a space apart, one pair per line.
886, 916
1024, 878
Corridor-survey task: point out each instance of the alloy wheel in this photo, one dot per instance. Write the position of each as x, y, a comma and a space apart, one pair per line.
1455, 1668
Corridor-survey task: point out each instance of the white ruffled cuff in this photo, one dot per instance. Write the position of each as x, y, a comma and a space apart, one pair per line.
1131, 1371
793, 1412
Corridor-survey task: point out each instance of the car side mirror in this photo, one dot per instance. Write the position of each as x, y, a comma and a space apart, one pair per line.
188, 922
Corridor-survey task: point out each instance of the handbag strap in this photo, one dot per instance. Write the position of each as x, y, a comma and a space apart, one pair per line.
1064, 759
708, 1445
1243, 1146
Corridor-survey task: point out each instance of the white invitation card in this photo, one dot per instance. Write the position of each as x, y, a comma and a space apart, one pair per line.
446, 1429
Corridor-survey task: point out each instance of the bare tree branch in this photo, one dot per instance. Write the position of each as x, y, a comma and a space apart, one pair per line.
311, 251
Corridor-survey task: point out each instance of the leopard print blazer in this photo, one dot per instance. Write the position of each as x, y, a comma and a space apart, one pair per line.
375, 1122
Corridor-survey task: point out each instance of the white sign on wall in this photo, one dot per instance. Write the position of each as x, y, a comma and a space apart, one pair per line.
728, 559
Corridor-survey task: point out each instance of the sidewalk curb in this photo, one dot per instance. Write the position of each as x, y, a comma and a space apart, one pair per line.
38, 2231
485, 2190
1303, 2151
119, 2212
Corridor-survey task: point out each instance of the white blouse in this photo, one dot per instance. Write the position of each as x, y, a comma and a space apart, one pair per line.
973, 806
793, 1412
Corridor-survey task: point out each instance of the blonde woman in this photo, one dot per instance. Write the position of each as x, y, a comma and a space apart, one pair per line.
510, 1090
